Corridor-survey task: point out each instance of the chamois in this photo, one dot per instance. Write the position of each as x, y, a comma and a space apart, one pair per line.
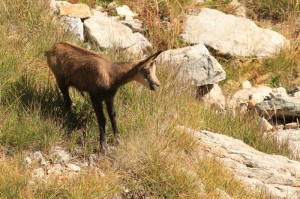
99, 76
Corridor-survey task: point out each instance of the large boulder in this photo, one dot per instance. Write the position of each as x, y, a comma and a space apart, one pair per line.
232, 35
194, 64
106, 32
275, 174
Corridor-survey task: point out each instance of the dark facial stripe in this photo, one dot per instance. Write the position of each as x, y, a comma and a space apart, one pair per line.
150, 81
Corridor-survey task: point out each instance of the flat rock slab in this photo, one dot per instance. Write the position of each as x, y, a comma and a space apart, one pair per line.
194, 63
75, 10
232, 35
280, 107
278, 175
108, 33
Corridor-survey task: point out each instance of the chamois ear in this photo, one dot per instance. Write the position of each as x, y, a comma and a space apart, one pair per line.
149, 59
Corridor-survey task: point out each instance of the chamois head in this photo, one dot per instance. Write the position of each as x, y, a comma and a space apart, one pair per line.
147, 72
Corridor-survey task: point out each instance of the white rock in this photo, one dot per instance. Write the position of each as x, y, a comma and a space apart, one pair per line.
215, 97
135, 25
232, 35
38, 156
266, 126
60, 155
73, 167
106, 33
56, 169
125, 11
194, 64
27, 160
38, 173
246, 85
55, 6
275, 174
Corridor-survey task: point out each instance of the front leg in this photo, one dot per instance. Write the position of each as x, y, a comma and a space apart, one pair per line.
98, 108
112, 116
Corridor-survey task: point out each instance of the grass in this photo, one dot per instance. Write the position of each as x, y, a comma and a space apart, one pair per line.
155, 160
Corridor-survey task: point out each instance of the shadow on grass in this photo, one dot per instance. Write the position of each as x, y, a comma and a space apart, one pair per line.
26, 93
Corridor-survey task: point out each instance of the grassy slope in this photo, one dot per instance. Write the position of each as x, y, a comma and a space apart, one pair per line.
154, 157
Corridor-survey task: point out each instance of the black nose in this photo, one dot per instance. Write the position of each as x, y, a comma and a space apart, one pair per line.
152, 87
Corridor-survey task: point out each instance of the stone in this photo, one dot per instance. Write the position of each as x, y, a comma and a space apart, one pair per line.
55, 6
56, 169
73, 25
194, 64
73, 167
38, 156
292, 125
231, 35
275, 174
246, 85
135, 25
60, 156
265, 125
215, 97
105, 33
222, 194
38, 173
75, 10
125, 11
240, 10
280, 107
27, 160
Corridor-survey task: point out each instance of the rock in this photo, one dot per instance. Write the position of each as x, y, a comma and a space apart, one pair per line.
240, 10
232, 35
73, 25
125, 11
194, 64
254, 95
274, 174
55, 6
76, 10
60, 155
280, 107
38, 173
73, 167
135, 25
105, 32
291, 137
215, 97
27, 160
246, 85
265, 125
38, 156
56, 169
292, 125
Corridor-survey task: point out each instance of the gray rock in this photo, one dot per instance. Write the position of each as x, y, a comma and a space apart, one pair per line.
280, 107
56, 169
73, 25
38, 173
73, 167
275, 174
61, 156
134, 24
106, 33
38, 156
194, 64
232, 35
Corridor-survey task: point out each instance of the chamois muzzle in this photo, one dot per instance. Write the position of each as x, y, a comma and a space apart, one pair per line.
152, 84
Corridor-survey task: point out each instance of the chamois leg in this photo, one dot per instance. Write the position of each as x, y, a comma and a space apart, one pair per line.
65, 91
112, 116
98, 108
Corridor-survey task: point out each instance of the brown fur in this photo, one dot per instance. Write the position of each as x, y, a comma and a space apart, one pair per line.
99, 76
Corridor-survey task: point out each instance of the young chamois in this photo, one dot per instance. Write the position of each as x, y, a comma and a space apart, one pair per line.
100, 77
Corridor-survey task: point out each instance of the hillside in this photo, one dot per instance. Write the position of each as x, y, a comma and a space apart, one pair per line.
47, 152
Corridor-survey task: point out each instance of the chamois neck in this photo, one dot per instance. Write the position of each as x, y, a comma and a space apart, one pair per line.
123, 72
